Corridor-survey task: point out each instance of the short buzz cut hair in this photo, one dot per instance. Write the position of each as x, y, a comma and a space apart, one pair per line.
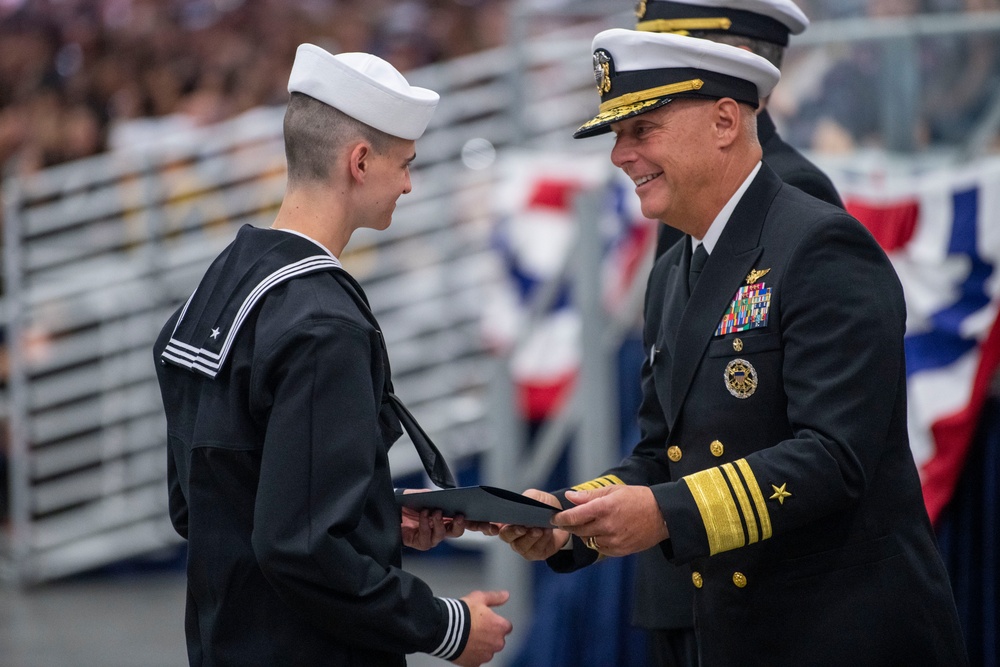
769, 51
316, 132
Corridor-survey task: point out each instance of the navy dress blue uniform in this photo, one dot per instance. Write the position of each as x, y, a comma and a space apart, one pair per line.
662, 593
774, 439
274, 380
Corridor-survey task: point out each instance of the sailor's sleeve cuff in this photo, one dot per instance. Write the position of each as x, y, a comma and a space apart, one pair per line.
457, 629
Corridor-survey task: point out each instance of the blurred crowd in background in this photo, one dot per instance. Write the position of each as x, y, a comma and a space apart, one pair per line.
896, 92
78, 77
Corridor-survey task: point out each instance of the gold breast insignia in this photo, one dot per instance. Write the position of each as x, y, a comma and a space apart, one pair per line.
756, 275
741, 378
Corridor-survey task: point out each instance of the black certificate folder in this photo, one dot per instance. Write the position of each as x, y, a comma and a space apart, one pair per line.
482, 503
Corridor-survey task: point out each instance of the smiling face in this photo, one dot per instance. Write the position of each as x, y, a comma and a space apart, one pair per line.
388, 178
669, 155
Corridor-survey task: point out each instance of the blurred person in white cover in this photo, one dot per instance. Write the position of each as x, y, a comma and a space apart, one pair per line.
280, 412
774, 459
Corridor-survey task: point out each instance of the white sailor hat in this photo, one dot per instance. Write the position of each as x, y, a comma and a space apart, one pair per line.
364, 87
767, 20
637, 72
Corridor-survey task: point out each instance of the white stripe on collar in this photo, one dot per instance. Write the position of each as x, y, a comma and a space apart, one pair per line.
209, 363
309, 238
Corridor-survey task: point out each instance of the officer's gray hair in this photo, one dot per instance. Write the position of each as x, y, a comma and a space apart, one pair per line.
316, 133
769, 51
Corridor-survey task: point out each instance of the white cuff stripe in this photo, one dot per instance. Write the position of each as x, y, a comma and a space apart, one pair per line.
456, 628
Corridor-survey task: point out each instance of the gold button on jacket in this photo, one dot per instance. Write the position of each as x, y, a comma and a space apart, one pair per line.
674, 453
717, 448
696, 579
739, 579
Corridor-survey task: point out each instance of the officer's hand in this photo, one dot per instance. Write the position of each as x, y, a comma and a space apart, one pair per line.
488, 629
535, 543
614, 520
425, 529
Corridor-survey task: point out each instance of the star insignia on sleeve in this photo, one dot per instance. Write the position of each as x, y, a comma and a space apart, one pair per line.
215, 333
780, 493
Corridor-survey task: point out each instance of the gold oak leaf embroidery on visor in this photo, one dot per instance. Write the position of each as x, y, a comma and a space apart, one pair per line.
605, 116
629, 103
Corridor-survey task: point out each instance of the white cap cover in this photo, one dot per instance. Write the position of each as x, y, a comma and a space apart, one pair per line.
364, 87
638, 71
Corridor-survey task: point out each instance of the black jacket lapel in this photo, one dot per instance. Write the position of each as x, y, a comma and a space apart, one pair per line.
727, 267
674, 300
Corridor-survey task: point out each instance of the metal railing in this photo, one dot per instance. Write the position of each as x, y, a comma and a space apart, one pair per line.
99, 252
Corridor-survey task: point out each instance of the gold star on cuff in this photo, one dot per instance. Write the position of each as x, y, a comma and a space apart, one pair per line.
779, 493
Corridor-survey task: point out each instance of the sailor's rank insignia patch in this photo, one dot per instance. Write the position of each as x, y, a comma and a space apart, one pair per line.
747, 311
741, 378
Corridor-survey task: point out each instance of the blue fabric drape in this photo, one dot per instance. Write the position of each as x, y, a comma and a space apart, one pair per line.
969, 537
583, 618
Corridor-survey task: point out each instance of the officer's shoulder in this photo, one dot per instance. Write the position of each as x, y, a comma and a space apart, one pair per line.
797, 215
791, 203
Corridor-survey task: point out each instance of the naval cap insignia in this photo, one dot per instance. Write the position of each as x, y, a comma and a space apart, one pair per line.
756, 275
741, 378
602, 71
640, 9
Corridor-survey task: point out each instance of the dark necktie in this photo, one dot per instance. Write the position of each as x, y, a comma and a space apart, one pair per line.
698, 260
434, 464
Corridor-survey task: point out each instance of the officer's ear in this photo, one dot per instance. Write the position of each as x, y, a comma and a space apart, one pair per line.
727, 121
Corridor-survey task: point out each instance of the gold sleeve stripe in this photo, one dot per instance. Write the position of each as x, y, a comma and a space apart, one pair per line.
744, 501
726, 498
599, 483
649, 95
718, 510
758, 498
682, 26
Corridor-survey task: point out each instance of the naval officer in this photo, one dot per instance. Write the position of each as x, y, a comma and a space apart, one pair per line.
774, 461
663, 591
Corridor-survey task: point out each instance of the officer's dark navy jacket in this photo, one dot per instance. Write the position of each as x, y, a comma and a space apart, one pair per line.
775, 443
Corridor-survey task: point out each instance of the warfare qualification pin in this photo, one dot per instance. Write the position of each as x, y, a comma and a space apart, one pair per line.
741, 378
602, 71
